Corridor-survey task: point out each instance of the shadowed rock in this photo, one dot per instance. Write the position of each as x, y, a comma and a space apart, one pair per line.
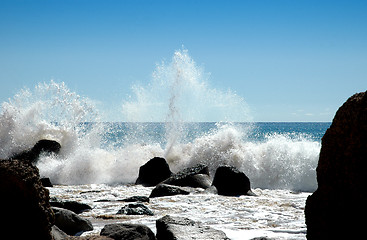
336, 208
153, 172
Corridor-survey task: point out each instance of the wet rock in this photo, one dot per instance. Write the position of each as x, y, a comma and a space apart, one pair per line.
122, 231
153, 172
229, 181
135, 209
196, 177
167, 190
24, 202
71, 223
42, 146
179, 228
336, 207
73, 206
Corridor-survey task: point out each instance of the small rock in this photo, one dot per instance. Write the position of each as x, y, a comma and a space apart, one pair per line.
46, 182
136, 199
166, 190
74, 206
135, 209
179, 228
122, 231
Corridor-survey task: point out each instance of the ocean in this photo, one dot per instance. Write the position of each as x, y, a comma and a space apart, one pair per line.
168, 117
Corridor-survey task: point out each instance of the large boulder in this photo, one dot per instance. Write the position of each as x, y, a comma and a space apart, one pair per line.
179, 228
338, 206
153, 172
196, 177
229, 181
167, 190
124, 231
71, 223
24, 202
42, 146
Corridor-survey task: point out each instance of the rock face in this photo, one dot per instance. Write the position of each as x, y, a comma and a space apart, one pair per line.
71, 223
336, 208
24, 202
197, 176
122, 231
153, 172
42, 146
166, 190
179, 228
231, 182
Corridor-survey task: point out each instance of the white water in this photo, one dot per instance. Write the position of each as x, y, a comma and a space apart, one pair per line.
180, 92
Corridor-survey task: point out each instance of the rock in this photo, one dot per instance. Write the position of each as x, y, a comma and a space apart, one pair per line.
73, 206
135, 209
167, 190
231, 182
197, 176
338, 205
136, 199
46, 182
58, 234
122, 231
71, 223
179, 228
42, 146
153, 172
24, 202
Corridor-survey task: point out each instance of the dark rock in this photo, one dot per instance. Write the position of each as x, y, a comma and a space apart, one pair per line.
197, 176
135, 209
46, 182
167, 190
122, 231
153, 172
231, 182
336, 207
42, 146
136, 199
74, 206
71, 223
24, 202
179, 228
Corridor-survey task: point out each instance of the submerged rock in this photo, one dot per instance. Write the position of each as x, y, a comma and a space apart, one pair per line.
24, 202
229, 181
123, 231
179, 228
167, 190
153, 172
335, 209
196, 177
71, 223
136, 199
135, 209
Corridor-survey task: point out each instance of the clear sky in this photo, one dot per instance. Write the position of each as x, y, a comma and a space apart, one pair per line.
290, 60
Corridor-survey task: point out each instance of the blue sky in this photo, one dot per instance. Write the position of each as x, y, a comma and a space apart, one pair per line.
290, 60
